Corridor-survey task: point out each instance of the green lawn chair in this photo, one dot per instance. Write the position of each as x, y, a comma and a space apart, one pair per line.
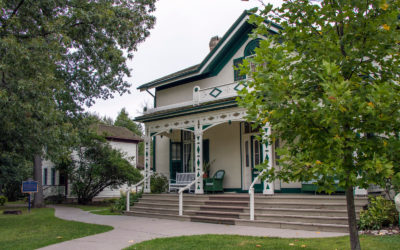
214, 184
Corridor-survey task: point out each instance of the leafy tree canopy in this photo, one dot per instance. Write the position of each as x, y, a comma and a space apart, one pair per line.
328, 86
123, 120
55, 57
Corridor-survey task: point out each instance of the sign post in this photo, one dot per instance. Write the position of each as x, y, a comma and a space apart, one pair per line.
29, 187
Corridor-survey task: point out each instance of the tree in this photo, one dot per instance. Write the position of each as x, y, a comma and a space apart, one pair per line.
123, 120
94, 165
13, 170
328, 86
56, 57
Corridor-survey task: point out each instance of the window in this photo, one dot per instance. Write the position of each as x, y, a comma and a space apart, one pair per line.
45, 176
188, 153
249, 51
62, 179
256, 153
53, 176
248, 128
176, 151
236, 63
246, 147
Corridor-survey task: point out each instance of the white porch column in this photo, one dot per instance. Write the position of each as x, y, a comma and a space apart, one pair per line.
267, 154
147, 151
198, 142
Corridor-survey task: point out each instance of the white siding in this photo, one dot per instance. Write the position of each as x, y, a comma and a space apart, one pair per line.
184, 92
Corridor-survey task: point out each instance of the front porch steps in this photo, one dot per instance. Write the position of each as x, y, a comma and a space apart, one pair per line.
306, 212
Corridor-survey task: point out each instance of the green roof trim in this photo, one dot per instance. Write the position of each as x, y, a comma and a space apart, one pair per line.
227, 103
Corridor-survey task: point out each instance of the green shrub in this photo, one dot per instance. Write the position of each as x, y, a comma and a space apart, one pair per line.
158, 184
3, 200
380, 213
120, 204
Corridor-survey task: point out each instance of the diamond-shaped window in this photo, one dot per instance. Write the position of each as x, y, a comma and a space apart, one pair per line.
215, 92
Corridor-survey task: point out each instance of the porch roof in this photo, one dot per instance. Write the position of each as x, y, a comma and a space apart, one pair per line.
189, 109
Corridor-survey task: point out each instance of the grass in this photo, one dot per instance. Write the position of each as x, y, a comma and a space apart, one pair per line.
221, 242
96, 209
16, 202
40, 228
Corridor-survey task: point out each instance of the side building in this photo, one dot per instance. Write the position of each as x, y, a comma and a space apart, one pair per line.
56, 183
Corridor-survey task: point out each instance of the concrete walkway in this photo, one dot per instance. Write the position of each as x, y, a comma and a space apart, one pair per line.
129, 230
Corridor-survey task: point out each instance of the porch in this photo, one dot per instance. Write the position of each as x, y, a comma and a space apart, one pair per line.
221, 140
287, 211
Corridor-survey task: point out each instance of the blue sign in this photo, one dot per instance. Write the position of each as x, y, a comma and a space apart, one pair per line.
29, 186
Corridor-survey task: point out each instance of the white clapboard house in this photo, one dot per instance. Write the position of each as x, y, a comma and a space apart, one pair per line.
197, 121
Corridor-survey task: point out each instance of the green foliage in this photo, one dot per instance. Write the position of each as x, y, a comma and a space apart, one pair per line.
13, 170
57, 57
158, 183
120, 204
327, 84
380, 213
123, 120
95, 166
3, 200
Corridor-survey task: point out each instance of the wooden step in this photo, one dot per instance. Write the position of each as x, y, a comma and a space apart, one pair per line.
297, 211
298, 218
214, 220
217, 214
294, 225
303, 205
227, 203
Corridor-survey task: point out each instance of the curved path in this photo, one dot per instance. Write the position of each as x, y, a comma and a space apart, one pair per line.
129, 230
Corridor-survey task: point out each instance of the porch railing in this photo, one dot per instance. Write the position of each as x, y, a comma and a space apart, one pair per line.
129, 188
181, 194
251, 193
208, 94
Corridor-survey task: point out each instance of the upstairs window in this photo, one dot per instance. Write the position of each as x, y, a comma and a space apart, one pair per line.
249, 51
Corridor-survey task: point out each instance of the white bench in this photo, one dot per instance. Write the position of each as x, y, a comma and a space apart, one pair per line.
182, 180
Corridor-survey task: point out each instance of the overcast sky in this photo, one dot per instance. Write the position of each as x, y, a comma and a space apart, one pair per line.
178, 40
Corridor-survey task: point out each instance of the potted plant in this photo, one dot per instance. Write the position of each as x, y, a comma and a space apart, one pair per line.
206, 168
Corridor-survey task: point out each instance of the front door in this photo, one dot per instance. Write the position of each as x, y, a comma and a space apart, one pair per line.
251, 158
256, 160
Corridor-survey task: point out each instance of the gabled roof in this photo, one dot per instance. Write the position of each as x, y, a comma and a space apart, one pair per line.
117, 133
216, 58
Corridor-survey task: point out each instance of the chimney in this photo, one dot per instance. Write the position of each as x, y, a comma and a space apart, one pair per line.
213, 42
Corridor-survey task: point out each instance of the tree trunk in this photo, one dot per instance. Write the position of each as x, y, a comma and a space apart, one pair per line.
352, 220
37, 175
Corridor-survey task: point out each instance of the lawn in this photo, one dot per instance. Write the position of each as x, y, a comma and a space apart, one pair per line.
247, 242
40, 228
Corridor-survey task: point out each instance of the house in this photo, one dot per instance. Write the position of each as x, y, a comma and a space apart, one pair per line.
120, 138
196, 120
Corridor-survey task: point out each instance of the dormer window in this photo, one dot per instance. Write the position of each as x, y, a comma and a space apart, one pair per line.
249, 51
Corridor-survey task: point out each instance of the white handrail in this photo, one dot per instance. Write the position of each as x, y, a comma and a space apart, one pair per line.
251, 193
129, 188
181, 194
